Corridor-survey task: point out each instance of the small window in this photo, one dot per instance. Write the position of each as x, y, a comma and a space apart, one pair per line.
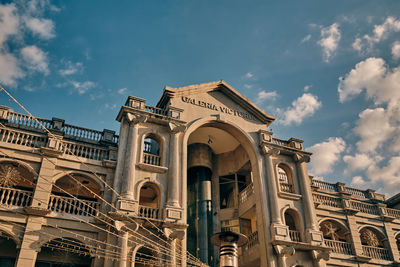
151, 151
285, 179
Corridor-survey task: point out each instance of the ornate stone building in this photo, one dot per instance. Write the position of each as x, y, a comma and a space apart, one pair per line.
200, 162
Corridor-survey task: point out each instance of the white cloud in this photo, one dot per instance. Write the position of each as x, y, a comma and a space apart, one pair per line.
302, 107
42, 27
35, 59
249, 75
380, 33
379, 82
325, 155
306, 38
396, 50
122, 91
247, 86
9, 69
358, 162
307, 88
358, 181
264, 95
71, 68
357, 44
9, 22
83, 87
389, 175
374, 128
330, 37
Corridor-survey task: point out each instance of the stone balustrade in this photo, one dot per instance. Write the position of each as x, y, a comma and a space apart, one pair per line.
84, 150
15, 197
151, 159
246, 193
285, 187
295, 236
22, 138
327, 200
149, 212
377, 253
139, 103
253, 241
73, 206
339, 247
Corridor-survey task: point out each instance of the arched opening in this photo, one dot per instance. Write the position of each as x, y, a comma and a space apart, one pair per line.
149, 201
151, 150
16, 184
8, 250
145, 257
285, 179
219, 180
66, 252
374, 243
292, 220
87, 190
336, 236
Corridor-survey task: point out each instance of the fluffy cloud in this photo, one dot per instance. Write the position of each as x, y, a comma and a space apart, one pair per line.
396, 50
9, 69
325, 155
389, 175
35, 59
122, 91
358, 181
71, 68
373, 76
264, 95
330, 37
9, 22
249, 75
302, 107
358, 162
306, 38
83, 87
42, 27
380, 32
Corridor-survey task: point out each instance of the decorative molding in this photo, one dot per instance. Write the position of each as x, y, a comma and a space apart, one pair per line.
269, 150
176, 128
319, 255
298, 157
134, 119
284, 251
152, 168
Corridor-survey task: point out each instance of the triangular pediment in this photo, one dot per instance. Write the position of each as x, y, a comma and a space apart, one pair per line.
224, 96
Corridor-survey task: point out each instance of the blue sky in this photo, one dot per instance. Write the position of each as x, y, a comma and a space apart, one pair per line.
329, 70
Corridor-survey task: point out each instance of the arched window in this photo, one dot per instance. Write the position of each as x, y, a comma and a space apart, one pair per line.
336, 236
292, 221
285, 179
151, 151
149, 201
145, 257
16, 185
64, 252
8, 250
374, 244
77, 198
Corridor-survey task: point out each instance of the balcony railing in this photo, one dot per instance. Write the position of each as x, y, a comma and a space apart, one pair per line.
22, 138
73, 206
285, 187
83, 150
149, 212
365, 207
339, 247
246, 193
377, 253
327, 200
295, 236
253, 240
151, 159
15, 197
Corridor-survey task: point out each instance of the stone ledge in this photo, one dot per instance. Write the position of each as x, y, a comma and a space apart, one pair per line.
291, 196
152, 168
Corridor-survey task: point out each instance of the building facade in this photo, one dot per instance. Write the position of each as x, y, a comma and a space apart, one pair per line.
203, 160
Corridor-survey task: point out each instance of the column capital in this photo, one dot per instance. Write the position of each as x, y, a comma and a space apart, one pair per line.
320, 255
176, 128
283, 251
135, 119
269, 150
300, 157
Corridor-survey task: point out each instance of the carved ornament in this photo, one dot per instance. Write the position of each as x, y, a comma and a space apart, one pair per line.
298, 157
134, 119
269, 150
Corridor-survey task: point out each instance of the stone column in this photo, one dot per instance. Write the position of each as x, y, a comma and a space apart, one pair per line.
279, 231
123, 244
313, 235
28, 254
355, 236
174, 166
392, 241
128, 182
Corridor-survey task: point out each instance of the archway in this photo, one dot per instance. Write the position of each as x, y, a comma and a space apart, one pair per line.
8, 250
149, 201
145, 257
220, 164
